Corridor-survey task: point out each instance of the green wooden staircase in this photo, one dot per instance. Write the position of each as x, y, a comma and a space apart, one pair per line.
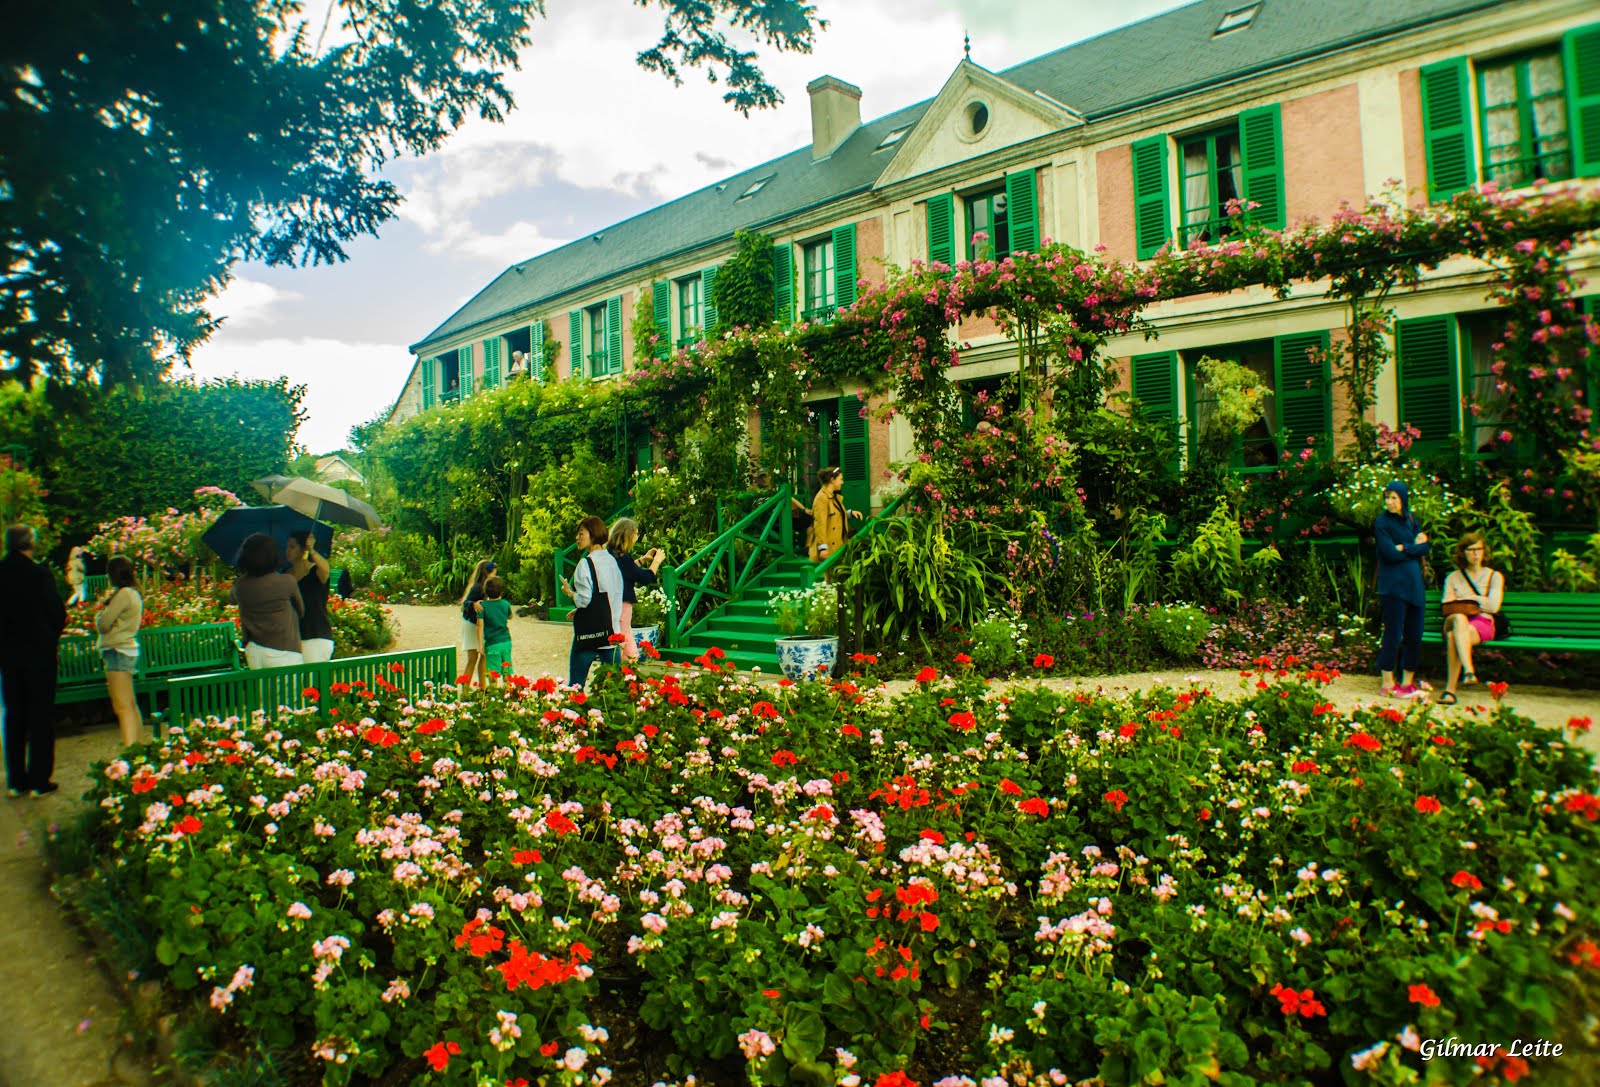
742, 628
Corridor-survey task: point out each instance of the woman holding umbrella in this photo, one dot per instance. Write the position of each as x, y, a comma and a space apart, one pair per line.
270, 606
311, 572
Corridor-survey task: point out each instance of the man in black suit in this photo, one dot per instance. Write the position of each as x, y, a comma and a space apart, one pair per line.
31, 618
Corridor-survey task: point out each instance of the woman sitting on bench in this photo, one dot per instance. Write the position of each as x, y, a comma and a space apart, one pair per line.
1476, 592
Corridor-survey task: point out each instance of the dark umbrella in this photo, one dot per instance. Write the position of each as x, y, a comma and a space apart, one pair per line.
229, 532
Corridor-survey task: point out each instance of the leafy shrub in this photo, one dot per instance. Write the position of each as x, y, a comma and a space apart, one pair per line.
558, 497
814, 611
1269, 628
1130, 891
360, 626
1209, 567
997, 641
919, 576
1179, 628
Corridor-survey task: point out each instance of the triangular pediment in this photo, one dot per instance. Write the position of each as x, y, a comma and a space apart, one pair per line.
976, 113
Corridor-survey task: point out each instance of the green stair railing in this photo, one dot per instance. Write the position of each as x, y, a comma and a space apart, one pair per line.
768, 528
870, 527
566, 559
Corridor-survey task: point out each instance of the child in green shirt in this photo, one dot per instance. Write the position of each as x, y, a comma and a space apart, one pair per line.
494, 634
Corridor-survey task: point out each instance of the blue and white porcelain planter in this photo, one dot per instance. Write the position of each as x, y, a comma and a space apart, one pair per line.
650, 635
807, 658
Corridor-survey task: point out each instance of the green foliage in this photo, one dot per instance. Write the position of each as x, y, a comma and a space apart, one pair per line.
559, 496
919, 577
674, 513
997, 642
1209, 566
22, 503
1122, 458
1179, 628
105, 453
1511, 534
650, 609
1357, 499
1240, 402
360, 626
814, 611
743, 291
1571, 574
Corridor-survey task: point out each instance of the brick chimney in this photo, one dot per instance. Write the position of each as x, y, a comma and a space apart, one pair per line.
835, 113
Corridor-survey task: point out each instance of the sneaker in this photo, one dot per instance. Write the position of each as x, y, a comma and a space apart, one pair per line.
1423, 685
46, 789
1405, 691
14, 793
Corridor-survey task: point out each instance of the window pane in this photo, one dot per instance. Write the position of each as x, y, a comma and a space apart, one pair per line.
1230, 171
1196, 183
1544, 75
1500, 85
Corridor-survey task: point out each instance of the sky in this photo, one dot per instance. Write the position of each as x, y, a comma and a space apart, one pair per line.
593, 140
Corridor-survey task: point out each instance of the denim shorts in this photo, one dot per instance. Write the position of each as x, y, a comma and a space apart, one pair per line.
115, 660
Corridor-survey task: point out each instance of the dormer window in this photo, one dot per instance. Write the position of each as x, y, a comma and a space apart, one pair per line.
1237, 19
756, 186
893, 138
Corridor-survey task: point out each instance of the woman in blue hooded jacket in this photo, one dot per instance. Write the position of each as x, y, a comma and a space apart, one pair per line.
1401, 546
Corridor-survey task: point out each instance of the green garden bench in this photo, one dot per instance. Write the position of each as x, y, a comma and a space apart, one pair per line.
1555, 622
164, 652
95, 584
240, 694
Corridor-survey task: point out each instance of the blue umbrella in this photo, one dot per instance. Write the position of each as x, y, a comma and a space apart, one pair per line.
229, 532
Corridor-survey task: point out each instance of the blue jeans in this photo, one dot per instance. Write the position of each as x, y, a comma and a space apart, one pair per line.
580, 661
1402, 636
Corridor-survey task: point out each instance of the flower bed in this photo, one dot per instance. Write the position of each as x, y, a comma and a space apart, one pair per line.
818, 884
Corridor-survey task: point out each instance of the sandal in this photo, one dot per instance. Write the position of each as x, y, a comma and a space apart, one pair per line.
1446, 699
1468, 678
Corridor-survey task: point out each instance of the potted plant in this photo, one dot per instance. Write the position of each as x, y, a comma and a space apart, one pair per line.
649, 611
808, 621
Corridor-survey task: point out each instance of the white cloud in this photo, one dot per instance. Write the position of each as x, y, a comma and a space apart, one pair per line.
346, 383
516, 242
248, 303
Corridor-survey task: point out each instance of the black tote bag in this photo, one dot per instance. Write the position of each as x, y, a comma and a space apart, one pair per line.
591, 624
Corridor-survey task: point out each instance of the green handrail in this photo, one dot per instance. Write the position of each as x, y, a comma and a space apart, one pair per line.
870, 527
566, 558
776, 535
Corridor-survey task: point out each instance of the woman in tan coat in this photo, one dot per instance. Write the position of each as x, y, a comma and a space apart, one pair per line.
829, 515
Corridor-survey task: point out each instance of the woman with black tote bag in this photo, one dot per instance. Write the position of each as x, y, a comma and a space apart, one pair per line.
596, 592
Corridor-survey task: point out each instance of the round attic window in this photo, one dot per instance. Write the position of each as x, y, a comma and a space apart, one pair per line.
975, 120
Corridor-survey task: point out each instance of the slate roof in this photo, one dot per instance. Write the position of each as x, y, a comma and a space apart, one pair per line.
1158, 58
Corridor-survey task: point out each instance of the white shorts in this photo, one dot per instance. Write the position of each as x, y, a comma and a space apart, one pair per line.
469, 636
259, 656
316, 650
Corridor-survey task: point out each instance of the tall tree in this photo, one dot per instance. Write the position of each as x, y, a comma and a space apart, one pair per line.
146, 146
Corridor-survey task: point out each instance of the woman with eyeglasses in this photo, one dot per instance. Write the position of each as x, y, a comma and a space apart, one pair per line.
1473, 583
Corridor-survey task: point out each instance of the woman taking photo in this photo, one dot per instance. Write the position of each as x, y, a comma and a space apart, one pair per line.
469, 623
269, 606
828, 515
121, 610
1476, 593
1401, 545
310, 572
623, 535
596, 593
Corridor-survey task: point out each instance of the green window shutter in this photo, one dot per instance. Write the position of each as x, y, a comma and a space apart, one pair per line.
1303, 392
854, 456
1425, 354
1022, 211
464, 370
642, 454
1155, 386
844, 266
575, 340
661, 297
491, 363
783, 283
1580, 47
614, 335
1447, 128
1152, 204
942, 229
708, 304
430, 382
1261, 148
536, 351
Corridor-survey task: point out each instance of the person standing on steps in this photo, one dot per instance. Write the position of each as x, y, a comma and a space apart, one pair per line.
31, 619
1401, 547
829, 518
121, 611
311, 573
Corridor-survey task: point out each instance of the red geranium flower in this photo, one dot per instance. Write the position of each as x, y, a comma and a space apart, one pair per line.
1498, 690
559, 823
928, 674
439, 1054
1364, 741
1010, 787
432, 725
1466, 879
964, 721
1034, 806
1117, 797
1421, 994
525, 856
932, 836
1580, 724
1427, 805
187, 825
549, 1048
1305, 766
963, 659
1044, 660
784, 757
